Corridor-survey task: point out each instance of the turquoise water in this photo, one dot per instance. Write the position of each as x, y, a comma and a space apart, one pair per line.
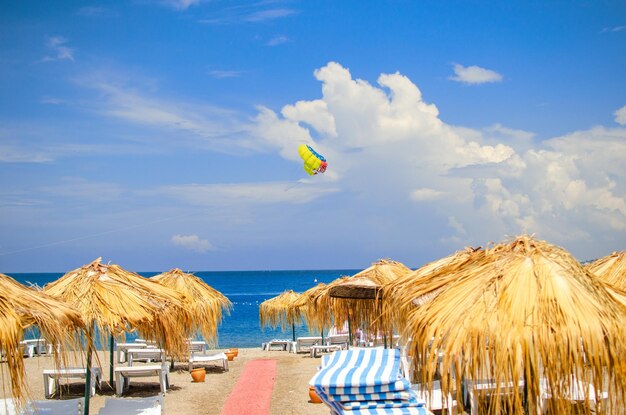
246, 290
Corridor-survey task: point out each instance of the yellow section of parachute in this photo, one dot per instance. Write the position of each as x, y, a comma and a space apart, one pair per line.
313, 162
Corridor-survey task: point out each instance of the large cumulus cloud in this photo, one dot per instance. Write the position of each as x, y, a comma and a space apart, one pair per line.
387, 145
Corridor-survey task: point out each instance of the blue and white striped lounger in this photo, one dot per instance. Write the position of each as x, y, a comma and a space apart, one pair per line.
364, 382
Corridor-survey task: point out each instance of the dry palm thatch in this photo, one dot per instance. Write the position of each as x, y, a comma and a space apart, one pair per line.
21, 307
357, 299
281, 310
522, 310
204, 303
611, 268
115, 300
311, 302
396, 311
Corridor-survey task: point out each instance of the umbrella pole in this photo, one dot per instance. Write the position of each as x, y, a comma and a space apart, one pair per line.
349, 332
293, 331
88, 371
111, 346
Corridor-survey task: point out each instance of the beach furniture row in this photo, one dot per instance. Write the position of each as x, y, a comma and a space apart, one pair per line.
112, 406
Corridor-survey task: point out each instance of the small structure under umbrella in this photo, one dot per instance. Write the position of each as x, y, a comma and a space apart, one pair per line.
205, 304
521, 310
281, 311
357, 300
113, 301
20, 308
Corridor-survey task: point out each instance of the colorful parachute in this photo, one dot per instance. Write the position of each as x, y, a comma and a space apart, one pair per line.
313, 162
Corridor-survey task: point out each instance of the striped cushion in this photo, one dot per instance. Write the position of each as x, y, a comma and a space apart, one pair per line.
361, 371
404, 396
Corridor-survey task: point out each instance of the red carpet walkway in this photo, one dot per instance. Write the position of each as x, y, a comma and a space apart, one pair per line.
252, 394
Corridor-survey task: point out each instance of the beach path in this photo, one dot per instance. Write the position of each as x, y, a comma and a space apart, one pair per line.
252, 393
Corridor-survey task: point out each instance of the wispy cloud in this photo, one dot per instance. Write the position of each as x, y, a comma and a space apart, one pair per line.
95, 11
620, 116
51, 101
180, 4
192, 243
221, 74
237, 15
278, 40
613, 29
473, 75
60, 51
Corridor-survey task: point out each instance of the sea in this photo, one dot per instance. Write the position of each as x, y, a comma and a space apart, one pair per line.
246, 290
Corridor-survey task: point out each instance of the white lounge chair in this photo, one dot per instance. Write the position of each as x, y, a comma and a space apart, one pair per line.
204, 358
338, 340
123, 375
52, 378
44, 407
132, 406
302, 342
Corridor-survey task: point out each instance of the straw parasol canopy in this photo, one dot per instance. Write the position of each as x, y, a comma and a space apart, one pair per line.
393, 292
115, 301
366, 284
523, 309
281, 310
611, 268
312, 304
205, 304
357, 299
21, 307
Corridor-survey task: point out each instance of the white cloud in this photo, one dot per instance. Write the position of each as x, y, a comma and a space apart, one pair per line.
57, 45
180, 4
10, 153
386, 142
245, 194
221, 74
473, 75
425, 194
192, 243
613, 29
278, 40
620, 116
248, 14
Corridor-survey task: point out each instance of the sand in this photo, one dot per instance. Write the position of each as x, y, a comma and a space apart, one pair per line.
290, 394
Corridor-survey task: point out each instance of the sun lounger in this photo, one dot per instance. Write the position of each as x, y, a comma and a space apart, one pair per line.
52, 377
306, 342
47, 407
284, 344
124, 374
205, 358
366, 381
122, 348
145, 354
324, 348
338, 339
132, 406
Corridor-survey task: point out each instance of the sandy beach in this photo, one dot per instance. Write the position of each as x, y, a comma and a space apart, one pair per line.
290, 394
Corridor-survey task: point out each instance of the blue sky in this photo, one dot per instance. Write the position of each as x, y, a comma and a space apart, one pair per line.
161, 134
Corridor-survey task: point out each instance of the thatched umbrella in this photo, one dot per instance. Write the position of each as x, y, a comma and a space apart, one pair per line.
204, 303
611, 268
314, 307
357, 299
520, 310
113, 301
21, 307
281, 311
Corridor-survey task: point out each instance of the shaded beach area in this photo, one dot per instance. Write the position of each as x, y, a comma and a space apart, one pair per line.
289, 394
